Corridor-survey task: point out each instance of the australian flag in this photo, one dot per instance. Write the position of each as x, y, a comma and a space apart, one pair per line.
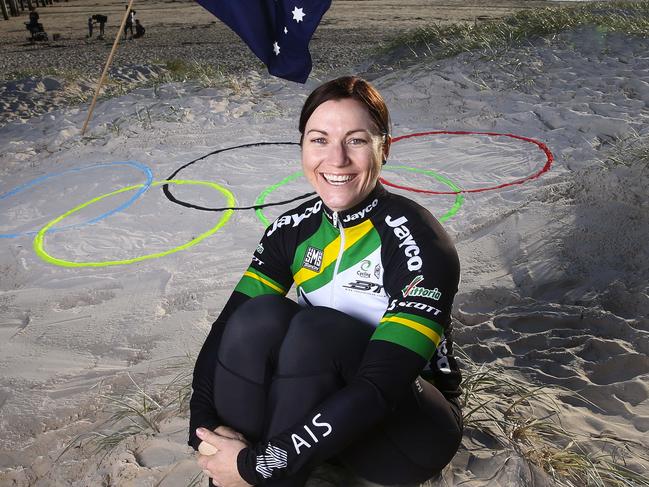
277, 31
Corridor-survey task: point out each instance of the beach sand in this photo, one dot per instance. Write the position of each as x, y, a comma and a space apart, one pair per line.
183, 30
555, 272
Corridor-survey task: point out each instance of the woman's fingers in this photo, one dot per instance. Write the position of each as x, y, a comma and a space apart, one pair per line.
209, 437
230, 433
221, 466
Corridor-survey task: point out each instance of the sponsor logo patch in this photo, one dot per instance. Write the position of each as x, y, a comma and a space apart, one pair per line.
257, 260
312, 259
377, 271
260, 249
364, 287
406, 241
273, 458
365, 265
315, 431
412, 290
295, 219
361, 213
415, 305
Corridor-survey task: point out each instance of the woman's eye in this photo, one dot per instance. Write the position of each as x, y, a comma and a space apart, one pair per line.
356, 141
318, 140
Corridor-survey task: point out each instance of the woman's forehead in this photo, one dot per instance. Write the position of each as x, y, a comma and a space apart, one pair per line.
346, 113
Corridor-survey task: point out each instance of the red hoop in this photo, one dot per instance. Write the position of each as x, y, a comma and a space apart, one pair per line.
540, 145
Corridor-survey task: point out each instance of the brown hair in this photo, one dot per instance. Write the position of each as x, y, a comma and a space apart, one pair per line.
348, 87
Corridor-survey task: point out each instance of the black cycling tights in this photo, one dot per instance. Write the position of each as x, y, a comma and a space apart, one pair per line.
278, 361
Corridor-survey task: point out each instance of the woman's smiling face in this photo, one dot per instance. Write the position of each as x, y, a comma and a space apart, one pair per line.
342, 153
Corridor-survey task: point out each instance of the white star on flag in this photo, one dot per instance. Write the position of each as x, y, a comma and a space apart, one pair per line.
276, 48
285, 30
298, 14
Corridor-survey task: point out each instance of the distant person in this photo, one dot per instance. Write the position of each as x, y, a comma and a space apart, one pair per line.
101, 20
139, 29
33, 17
35, 28
89, 26
33, 21
130, 20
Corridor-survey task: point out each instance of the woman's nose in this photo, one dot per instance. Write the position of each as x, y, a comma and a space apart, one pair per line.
338, 155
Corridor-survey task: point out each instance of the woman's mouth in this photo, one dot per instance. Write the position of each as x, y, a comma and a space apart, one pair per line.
338, 179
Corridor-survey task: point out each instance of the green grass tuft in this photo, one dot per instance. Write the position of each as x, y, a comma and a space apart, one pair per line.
180, 70
442, 41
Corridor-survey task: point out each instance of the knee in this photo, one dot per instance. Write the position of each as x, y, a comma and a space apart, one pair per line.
259, 320
263, 312
305, 345
316, 339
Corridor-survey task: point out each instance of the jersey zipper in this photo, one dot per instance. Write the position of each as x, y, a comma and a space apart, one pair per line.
339, 226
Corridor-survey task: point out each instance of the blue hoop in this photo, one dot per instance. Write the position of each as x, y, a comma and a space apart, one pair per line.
137, 165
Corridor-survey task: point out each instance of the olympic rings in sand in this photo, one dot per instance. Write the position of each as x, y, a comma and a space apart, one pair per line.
459, 199
39, 239
548, 162
173, 199
260, 201
147, 172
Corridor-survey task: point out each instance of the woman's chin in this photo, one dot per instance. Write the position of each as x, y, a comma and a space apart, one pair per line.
337, 202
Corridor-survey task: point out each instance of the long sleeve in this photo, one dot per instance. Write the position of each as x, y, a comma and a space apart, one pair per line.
387, 372
202, 412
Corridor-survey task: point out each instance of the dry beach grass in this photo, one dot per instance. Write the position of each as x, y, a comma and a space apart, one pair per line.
181, 29
184, 41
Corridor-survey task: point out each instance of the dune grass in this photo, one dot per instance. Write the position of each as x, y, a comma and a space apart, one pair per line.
205, 74
444, 40
139, 408
632, 151
519, 417
525, 418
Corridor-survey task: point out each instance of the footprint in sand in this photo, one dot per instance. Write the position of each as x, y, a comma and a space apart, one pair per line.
11, 326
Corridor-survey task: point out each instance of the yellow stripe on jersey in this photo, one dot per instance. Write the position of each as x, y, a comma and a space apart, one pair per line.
330, 253
424, 330
264, 281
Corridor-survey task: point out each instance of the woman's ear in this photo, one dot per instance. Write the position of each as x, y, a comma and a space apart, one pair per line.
387, 142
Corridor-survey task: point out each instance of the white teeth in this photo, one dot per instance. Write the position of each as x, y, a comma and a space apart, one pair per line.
338, 178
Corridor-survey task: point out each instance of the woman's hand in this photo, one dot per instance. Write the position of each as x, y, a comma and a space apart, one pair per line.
230, 433
221, 465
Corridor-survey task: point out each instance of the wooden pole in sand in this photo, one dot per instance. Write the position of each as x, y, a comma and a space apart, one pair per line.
5, 13
108, 61
13, 8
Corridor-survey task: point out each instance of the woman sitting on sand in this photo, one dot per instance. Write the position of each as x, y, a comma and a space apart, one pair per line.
280, 387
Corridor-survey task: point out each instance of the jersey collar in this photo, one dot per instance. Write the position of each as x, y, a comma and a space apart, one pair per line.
359, 213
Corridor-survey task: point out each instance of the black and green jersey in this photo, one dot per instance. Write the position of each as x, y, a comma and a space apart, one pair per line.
387, 262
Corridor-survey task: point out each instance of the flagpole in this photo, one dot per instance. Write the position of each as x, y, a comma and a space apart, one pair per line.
105, 72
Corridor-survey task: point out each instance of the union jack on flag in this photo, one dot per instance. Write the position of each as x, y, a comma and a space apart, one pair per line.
277, 31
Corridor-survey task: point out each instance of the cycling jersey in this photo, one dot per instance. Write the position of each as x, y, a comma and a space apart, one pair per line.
387, 262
